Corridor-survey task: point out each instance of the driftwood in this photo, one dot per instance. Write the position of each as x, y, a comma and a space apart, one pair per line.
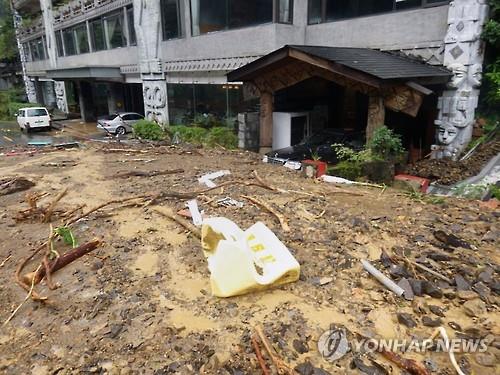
280, 365
51, 207
258, 354
267, 207
410, 365
20, 268
186, 224
147, 174
13, 185
62, 261
5, 261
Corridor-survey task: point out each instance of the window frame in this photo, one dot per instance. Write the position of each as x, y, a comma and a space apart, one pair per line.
179, 20
276, 10
92, 22
120, 16
423, 5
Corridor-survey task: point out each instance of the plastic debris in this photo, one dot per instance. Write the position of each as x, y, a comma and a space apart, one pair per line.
244, 261
195, 212
207, 178
337, 180
388, 283
228, 202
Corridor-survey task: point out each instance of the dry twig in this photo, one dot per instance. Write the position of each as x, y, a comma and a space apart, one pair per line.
258, 353
280, 365
187, 225
52, 206
5, 261
267, 207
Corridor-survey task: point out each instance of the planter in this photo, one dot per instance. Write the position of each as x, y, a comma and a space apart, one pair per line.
314, 168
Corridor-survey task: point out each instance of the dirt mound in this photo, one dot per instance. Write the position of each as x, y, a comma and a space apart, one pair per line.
449, 172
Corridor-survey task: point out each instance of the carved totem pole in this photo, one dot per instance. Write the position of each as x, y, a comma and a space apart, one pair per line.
463, 55
148, 29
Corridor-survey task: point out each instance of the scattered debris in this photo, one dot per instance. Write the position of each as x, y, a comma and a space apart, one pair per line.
15, 184
388, 283
229, 202
147, 174
207, 178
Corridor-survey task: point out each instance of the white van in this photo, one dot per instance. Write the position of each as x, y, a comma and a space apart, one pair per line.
33, 117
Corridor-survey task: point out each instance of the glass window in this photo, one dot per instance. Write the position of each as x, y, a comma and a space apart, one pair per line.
59, 44
285, 11
82, 39
408, 4
215, 15
26, 50
366, 7
37, 112
69, 42
338, 9
114, 27
315, 11
131, 27
97, 35
170, 17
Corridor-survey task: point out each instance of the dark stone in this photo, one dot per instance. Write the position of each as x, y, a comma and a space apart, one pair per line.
405, 284
385, 259
431, 289
429, 322
367, 370
482, 290
436, 310
397, 270
407, 320
461, 283
416, 286
486, 275
450, 240
431, 365
495, 286
300, 346
307, 368
419, 238
439, 257
455, 326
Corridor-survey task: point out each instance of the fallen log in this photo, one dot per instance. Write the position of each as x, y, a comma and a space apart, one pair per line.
147, 174
13, 185
410, 365
62, 261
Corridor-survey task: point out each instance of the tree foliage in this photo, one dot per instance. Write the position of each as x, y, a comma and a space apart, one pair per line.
491, 34
8, 45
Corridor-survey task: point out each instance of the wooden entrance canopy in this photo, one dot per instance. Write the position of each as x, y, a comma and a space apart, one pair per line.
389, 80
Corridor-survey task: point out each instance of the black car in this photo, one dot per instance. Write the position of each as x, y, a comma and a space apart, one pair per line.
319, 144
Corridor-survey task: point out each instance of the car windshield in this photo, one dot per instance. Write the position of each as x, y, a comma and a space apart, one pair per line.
37, 112
321, 138
108, 117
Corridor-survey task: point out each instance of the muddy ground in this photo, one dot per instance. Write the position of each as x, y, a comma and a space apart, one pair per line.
141, 303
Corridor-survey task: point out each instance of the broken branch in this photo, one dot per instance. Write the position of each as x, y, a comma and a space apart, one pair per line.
410, 365
52, 206
148, 174
280, 217
187, 225
258, 353
280, 365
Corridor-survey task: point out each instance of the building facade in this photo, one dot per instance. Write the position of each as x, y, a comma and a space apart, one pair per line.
169, 58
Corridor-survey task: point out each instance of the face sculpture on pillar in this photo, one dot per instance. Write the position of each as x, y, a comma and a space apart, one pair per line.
459, 76
476, 75
446, 134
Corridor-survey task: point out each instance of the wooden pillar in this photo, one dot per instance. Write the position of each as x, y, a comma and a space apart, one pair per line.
376, 115
266, 122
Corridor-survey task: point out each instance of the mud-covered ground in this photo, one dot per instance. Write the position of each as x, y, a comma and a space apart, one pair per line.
141, 303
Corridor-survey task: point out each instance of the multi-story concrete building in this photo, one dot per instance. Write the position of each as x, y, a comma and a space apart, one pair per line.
170, 58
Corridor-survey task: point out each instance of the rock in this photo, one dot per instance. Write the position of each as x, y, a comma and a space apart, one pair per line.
467, 294
405, 284
429, 322
474, 308
486, 275
397, 270
431, 365
436, 310
98, 264
461, 283
416, 286
307, 368
482, 290
486, 359
450, 240
407, 320
365, 369
455, 326
431, 289
439, 257
385, 259
300, 347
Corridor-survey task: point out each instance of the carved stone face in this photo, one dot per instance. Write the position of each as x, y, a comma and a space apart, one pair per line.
459, 75
476, 75
447, 134
463, 114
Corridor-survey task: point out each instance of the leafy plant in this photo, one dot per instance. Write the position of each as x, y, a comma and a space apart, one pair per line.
217, 136
67, 236
495, 191
385, 144
491, 34
222, 136
347, 169
470, 191
149, 130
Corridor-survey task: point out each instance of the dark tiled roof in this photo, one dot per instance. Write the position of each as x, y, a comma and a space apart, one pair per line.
380, 64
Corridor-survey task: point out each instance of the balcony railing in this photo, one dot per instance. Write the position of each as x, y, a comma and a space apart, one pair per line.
79, 10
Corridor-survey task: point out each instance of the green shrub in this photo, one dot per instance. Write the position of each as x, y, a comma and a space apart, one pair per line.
222, 136
149, 130
385, 144
347, 169
189, 134
15, 106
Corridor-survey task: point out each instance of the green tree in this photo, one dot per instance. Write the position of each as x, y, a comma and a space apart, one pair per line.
491, 34
8, 44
